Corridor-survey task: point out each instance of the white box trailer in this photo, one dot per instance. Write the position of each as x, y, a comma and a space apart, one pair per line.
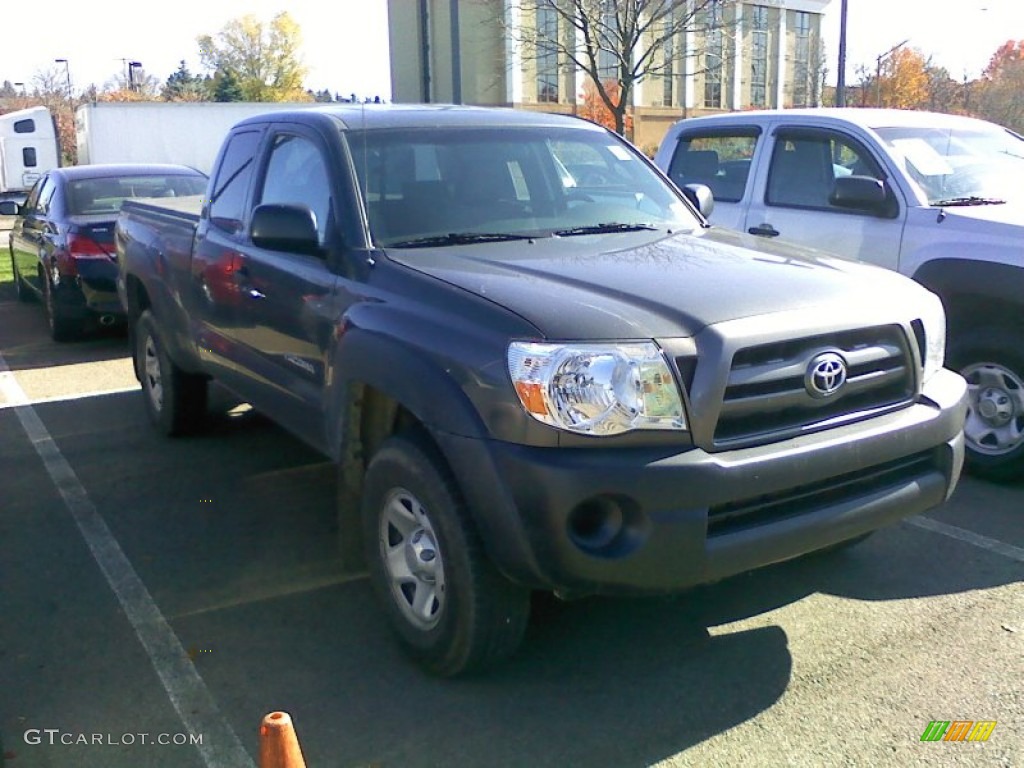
28, 149
187, 133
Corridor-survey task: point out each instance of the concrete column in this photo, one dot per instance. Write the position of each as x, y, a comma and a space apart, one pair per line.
513, 54
690, 63
737, 60
780, 69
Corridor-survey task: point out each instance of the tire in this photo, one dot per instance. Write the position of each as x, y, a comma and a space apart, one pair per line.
993, 365
61, 327
455, 613
175, 400
22, 292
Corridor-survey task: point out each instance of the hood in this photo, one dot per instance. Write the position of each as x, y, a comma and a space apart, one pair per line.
1010, 214
647, 284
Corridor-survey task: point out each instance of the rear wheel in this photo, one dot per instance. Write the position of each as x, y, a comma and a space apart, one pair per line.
993, 366
175, 400
449, 606
61, 327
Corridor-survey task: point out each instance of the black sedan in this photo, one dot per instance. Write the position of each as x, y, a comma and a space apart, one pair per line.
62, 242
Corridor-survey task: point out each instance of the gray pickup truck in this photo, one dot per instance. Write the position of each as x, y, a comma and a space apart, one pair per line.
534, 364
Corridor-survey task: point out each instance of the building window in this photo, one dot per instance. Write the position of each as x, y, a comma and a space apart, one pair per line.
759, 56
547, 55
714, 51
607, 58
802, 60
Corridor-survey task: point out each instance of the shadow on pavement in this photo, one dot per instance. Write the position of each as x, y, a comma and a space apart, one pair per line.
25, 340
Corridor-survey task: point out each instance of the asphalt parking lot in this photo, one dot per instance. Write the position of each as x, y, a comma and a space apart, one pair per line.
162, 590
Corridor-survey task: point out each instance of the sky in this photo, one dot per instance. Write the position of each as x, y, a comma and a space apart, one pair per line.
345, 42
960, 35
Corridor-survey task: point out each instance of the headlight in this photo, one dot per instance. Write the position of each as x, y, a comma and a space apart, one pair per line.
596, 389
933, 321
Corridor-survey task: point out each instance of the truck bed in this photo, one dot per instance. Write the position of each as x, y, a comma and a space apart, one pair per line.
183, 208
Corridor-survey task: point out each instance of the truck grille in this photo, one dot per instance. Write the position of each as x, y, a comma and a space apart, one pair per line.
767, 396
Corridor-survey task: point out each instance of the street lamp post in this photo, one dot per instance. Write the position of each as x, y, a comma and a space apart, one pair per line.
67, 71
841, 75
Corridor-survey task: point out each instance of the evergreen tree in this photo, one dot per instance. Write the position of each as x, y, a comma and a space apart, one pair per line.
226, 86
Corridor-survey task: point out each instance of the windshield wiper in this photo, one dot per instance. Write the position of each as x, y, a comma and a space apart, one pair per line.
600, 229
458, 238
969, 200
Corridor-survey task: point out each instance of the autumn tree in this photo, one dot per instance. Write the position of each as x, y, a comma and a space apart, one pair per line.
1000, 93
596, 110
263, 58
903, 81
614, 41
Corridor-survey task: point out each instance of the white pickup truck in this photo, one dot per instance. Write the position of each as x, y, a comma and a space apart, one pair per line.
936, 197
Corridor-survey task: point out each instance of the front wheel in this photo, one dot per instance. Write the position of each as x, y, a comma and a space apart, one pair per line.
175, 400
994, 432
449, 606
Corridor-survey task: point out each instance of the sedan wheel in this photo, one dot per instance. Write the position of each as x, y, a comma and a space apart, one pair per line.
61, 328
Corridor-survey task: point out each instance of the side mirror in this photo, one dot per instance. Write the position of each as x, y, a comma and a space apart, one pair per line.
9, 208
864, 193
285, 227
701, 197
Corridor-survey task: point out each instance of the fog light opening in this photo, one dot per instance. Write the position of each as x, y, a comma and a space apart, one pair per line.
596, 523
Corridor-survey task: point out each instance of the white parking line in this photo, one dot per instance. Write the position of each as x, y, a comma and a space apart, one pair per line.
185, 688
992, 545
9, 394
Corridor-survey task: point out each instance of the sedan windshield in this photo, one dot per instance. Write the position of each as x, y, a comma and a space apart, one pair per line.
456, 186
976, 165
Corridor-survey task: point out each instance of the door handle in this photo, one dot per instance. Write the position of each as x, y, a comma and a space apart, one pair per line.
765, 230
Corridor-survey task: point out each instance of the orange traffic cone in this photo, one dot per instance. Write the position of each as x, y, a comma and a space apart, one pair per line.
279, 747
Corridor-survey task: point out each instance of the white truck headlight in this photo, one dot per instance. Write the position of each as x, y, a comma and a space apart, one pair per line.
596, 389
933, 321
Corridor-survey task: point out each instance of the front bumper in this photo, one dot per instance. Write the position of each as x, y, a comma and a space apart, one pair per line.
594, 520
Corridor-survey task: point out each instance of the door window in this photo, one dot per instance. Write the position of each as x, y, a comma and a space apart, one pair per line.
720, 161
805, 166
297, 173
227, 203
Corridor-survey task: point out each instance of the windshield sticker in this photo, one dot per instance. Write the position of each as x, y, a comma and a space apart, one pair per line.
620, 153
923, 157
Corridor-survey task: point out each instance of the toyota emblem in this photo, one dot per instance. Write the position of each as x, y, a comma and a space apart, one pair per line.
825, 375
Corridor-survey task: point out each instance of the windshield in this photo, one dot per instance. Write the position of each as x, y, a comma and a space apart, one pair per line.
427, 186
981, 162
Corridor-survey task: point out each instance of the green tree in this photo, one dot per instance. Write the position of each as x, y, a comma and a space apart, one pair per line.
182, 85
263, 58
226, 86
